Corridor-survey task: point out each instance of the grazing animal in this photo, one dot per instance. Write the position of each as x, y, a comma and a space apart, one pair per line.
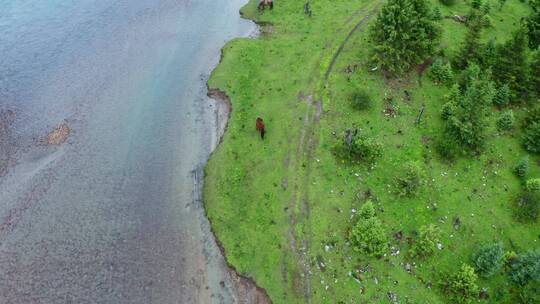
260, 127
264, 3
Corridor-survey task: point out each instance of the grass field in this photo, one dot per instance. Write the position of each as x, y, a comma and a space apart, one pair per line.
282, 207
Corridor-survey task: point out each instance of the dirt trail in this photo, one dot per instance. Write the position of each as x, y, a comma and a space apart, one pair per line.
304, 156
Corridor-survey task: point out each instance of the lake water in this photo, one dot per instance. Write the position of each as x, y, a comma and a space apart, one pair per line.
111, 215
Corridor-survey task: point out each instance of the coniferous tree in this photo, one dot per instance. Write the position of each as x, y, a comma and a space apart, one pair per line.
532, 24
511, 66
403, 35
534, 76
465, 111
471, 52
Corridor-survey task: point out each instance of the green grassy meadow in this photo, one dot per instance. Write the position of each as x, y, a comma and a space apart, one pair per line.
282, 207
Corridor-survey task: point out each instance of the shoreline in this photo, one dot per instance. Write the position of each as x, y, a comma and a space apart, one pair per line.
246, 288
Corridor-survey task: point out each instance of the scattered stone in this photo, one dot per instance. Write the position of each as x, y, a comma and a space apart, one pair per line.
484, 294
392, 297
59, 135
457, 223
399, 236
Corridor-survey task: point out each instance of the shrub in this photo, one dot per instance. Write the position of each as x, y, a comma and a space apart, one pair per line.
489, 259
447, 147
366, 148
426, 243
461, 286
361, 100
448, 2
368, 235
530, 294
502, 97
410, 180
526, 268
531, 138
528, 206
506, 121
533, 185
359, 147
521, 170
441, 73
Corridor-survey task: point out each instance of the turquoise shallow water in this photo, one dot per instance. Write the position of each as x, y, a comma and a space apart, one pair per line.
112, 215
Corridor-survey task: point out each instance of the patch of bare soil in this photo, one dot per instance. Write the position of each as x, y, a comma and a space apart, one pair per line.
59, 135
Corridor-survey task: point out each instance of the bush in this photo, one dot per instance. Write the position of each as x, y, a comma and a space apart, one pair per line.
410, 180
521, 170
489, 259
361, 100
528, 206
367, 235
366, 148
359, 147
441, 73
448, 2
426, 243
502, 97
530, 294
526, 268
533, 185
531, 138
506, 121
447, 147
461, 287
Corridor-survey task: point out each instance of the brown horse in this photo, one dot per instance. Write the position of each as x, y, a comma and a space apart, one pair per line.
264, 3
259, 125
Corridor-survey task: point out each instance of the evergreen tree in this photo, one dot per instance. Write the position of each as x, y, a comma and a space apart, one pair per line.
532, 25
403, 35
367, 235
521, 170
489, 55
511, 66
534, 76
502, 97
472, 48
526, 267
531, 138
465, 111
489, 259
437, 15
